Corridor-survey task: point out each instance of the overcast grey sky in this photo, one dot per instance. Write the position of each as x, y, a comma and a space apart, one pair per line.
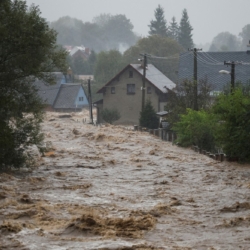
207, 17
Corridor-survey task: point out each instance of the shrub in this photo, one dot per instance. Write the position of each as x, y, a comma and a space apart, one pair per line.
196, 128
233, 133
110, 115
148, 117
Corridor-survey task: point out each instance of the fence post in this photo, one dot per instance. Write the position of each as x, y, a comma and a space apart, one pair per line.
172, 138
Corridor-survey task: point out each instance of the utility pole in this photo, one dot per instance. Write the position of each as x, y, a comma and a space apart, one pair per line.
90, 102
195, 76
232, 64
144, 79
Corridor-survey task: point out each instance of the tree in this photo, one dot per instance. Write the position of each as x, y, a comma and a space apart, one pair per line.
160, 47
233, 132
115, 31
183, 98
69, 30
148, 117
92, 61
197, 128
110, 115
108, 64
185, 31
28, 51
159, 25
106, 32
173, 29
225, 41
245, 35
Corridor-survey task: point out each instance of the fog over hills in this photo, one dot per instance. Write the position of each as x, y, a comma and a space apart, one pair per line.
208, 18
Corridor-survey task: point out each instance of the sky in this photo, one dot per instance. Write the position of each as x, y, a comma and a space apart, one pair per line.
207, 17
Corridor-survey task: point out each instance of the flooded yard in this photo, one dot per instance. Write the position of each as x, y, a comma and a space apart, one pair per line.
109, 187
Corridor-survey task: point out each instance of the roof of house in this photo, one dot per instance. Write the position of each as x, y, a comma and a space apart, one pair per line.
75, 49
47, 92
153, 75
210, 63
67, 96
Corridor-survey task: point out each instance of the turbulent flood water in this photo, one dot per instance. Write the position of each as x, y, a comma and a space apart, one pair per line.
110, 187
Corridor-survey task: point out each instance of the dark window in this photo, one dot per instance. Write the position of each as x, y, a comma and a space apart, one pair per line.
130, 89
112, 90
130, 74
81, 99
149, 90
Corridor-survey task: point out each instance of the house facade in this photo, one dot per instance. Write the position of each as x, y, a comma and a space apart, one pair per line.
124, 92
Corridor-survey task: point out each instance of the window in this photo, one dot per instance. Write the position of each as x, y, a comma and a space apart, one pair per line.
112, 90
130, 74
130, 89
149, 90
81, 99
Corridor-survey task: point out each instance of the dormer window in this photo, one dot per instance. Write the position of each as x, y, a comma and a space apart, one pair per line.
131, 74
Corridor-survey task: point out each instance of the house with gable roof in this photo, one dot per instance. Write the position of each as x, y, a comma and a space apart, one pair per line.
124, 92
210, 63
79, 51
62, 96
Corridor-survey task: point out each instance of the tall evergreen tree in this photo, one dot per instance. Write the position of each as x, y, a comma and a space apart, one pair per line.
159, 25
185, 31
173, 29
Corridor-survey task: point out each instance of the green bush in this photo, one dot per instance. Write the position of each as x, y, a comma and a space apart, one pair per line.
234, 130
196, 128
148, 117
110, 115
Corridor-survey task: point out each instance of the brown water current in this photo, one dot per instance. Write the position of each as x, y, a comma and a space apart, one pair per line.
109, 187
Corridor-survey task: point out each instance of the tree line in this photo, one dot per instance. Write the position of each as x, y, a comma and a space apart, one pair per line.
225, 41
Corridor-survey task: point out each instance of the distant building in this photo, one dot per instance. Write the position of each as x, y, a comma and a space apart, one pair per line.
124, 92
78, 51
62, 96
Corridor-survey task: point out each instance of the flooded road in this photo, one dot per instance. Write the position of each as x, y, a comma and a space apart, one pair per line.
110, 187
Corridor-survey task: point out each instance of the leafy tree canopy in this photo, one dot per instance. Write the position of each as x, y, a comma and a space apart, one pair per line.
157, 46
27, 51
225, 41
233, 132
106, 32
159, 25
108, 64
245, 35
197, 128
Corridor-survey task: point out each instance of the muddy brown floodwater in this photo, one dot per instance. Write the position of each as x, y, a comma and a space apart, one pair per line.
110, 187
